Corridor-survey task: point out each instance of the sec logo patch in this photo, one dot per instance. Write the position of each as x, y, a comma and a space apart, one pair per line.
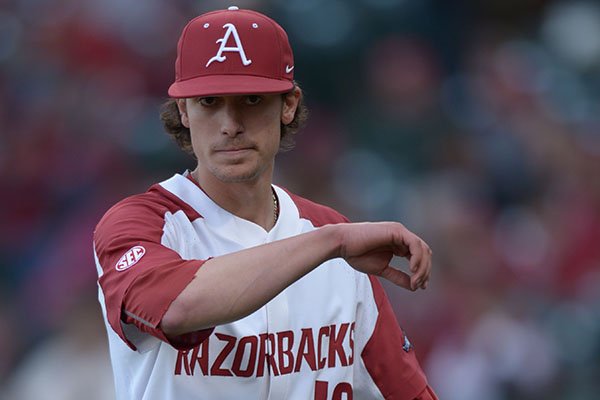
130, 258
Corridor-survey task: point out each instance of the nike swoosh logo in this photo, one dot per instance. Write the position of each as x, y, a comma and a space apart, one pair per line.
288, 69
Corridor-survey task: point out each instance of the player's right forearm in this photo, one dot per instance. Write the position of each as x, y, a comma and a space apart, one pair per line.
232, 286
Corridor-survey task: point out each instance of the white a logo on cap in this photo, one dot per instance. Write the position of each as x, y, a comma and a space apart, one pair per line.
238, 46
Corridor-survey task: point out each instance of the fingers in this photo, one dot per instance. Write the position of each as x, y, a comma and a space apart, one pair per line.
397, 277
371, 251
421, 274
419, 256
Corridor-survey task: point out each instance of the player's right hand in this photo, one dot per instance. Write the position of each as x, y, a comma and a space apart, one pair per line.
369, 248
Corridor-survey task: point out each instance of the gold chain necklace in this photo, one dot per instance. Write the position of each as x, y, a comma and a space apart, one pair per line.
275, 207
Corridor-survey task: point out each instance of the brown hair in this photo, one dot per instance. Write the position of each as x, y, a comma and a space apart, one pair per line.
169, 115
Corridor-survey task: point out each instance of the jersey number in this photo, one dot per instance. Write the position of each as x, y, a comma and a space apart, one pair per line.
341, 389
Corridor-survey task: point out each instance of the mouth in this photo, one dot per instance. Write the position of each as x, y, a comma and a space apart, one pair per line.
234, 150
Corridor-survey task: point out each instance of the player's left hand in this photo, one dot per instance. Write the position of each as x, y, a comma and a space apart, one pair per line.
369, 248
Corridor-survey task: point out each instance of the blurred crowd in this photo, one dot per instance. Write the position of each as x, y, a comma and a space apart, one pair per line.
476, 124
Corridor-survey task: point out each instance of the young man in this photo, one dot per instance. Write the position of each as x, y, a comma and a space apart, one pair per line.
217, 284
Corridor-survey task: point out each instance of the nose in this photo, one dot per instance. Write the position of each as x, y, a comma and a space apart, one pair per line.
231, 118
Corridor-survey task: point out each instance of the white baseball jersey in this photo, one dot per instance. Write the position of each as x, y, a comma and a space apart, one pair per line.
330, 335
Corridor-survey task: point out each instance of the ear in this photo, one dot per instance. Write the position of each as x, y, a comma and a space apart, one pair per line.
182, 106
290, 104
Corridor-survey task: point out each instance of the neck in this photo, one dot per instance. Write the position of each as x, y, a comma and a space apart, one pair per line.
251, 200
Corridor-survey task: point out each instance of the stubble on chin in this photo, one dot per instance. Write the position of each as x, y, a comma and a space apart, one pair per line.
230, 175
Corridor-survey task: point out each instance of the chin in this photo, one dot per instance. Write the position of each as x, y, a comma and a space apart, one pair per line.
237, 175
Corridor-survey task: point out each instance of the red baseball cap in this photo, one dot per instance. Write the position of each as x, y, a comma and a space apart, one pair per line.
230, 52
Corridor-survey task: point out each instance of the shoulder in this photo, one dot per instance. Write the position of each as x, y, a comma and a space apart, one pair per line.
143, 210
318, 214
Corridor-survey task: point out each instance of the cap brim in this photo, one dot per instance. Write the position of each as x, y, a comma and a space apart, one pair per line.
224, 85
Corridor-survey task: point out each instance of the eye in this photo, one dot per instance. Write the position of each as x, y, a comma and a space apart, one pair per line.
207, 101
253, 99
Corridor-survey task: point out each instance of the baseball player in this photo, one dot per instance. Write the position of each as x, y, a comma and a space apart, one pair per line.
217, 284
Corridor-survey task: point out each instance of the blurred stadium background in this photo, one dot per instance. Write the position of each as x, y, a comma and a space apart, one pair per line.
476, 123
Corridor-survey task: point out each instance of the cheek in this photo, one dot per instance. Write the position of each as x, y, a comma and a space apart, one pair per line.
276, 117
200, 142
200, 128
265, 124
274, 128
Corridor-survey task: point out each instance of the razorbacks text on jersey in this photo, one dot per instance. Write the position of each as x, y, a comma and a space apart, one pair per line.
330, 335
